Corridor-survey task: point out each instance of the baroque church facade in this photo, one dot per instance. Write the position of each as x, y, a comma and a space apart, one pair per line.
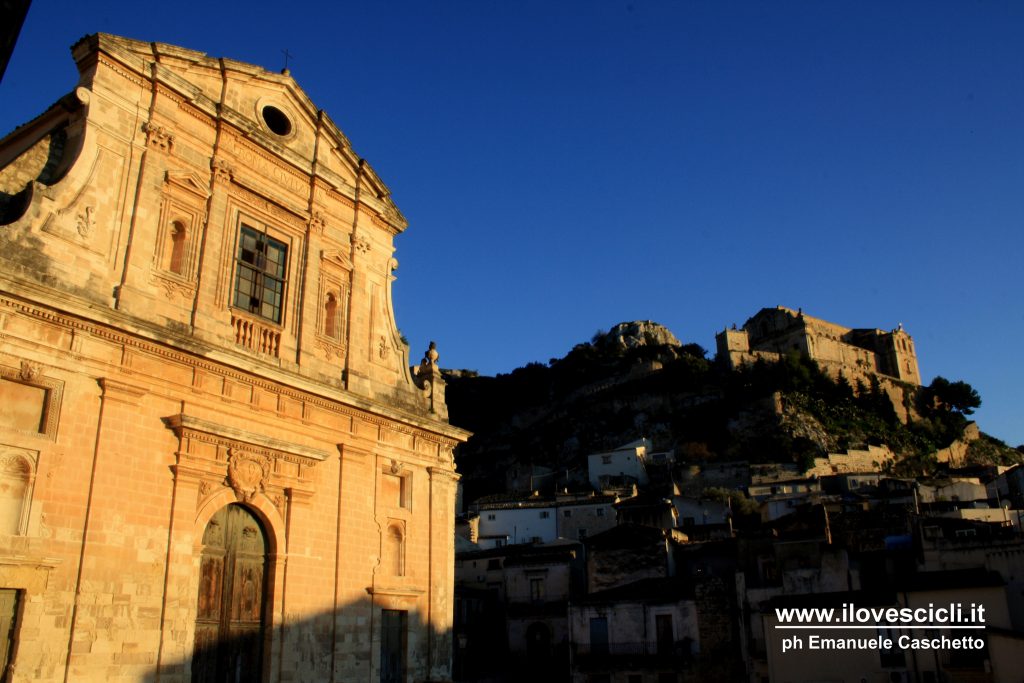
216, 463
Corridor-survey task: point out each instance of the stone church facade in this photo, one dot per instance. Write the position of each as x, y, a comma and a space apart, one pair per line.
215, 461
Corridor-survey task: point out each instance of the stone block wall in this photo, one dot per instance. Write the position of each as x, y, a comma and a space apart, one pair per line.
856, 354
853, 460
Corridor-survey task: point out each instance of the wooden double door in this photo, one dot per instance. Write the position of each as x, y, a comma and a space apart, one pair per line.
232, 599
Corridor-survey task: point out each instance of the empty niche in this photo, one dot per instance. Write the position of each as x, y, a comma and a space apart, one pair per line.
17, 475
178, 236
394, 549
332, 322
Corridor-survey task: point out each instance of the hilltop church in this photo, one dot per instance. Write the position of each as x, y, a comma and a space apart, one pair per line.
216, 463
858, 354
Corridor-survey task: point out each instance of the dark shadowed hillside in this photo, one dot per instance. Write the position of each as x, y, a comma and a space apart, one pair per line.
638, 380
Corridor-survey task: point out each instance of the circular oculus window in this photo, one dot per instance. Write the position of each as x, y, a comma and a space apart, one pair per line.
277, 121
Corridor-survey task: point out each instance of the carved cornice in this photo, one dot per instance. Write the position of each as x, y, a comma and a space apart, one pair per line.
394, 216
164, 91
353, 454
30, 562
197, 470
79, 326
195, 113
324, 190
384, 225
121, 71
389, 218
244, 441
117, 390
245, 470
444, 473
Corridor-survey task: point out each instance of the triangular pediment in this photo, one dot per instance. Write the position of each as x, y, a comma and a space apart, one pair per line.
336, 257
264, 108
189, 181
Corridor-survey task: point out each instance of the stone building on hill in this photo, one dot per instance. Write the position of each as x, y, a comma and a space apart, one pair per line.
857, 353
214, 456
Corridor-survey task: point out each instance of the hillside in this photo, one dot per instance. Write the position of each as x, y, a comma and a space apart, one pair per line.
638, 380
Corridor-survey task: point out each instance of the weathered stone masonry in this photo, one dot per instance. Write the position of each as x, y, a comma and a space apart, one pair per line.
195, 313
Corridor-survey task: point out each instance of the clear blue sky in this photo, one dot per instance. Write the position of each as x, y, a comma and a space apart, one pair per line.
566, 166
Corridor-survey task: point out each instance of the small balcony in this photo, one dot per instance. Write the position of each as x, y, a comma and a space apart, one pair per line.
256, 336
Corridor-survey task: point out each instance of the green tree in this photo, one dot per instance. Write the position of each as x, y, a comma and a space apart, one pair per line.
959, 397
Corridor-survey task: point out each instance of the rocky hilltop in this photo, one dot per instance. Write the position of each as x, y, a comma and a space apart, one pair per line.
638, 380
638, 333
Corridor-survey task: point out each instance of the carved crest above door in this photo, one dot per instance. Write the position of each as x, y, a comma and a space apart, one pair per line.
215, 456
247, 472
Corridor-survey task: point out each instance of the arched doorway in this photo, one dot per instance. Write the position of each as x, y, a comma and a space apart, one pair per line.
232, 597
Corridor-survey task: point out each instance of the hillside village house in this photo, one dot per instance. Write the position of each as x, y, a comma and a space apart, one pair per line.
508, 519
215, 461
622, 467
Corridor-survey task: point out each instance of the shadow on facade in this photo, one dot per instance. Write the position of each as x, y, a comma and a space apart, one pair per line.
366, 640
